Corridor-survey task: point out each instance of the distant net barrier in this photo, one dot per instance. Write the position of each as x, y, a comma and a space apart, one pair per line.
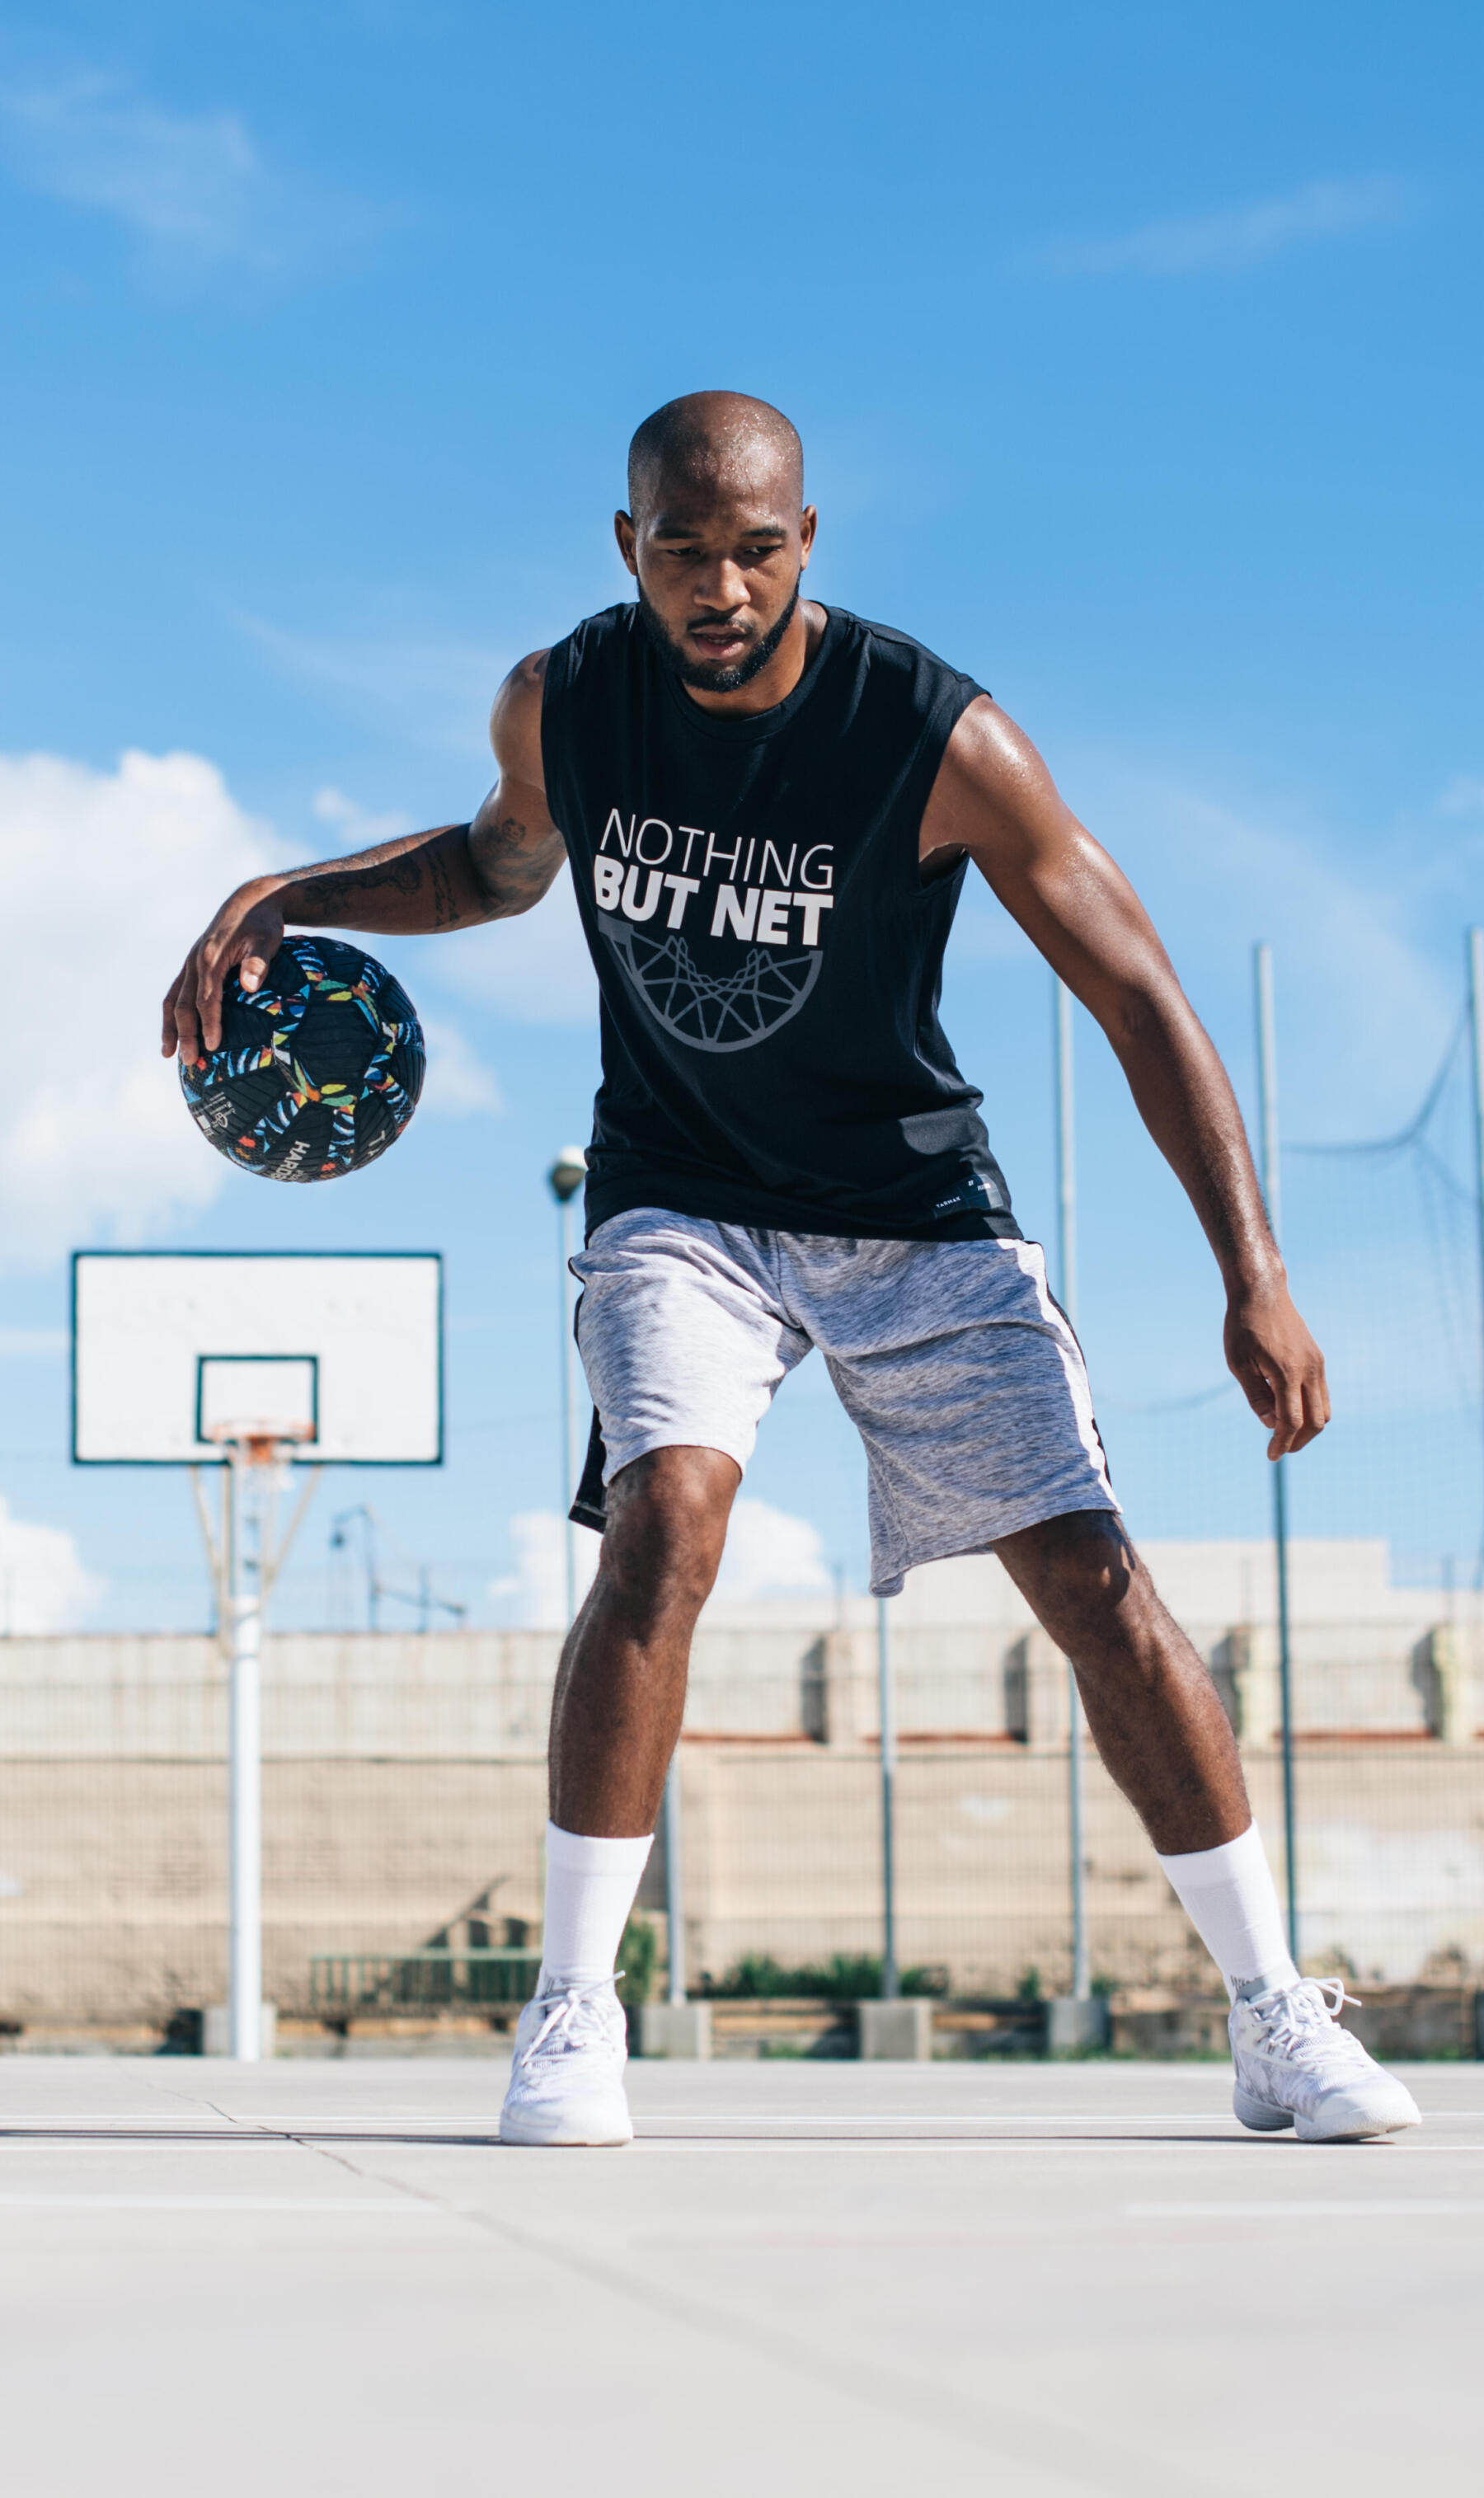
1382, 1244
404, 1803
1382, 1240
1385, 1246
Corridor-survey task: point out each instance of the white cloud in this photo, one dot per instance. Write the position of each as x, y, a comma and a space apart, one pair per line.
532, 1597
193, 190
535, 969
458, 1085
356, 827
436, 692
1229, 240
1464, 795
43, 1587
111, 875
769, 1554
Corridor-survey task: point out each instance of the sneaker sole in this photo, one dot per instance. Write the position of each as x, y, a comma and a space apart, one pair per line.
523, 2141
1308, 2132
1259, 2116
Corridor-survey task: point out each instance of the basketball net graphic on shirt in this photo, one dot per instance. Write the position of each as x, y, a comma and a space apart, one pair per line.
732, 1010
681, 874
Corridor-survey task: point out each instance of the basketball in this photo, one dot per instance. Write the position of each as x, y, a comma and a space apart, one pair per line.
318, 1071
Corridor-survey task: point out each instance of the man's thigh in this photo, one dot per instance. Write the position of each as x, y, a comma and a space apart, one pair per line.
681, 1334
968, 1389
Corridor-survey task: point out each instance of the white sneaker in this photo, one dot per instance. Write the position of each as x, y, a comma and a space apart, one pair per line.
1296, 2065
567, 2082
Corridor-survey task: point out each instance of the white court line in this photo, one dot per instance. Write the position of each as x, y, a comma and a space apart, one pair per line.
1384, 2207
925, 2118
210, 2203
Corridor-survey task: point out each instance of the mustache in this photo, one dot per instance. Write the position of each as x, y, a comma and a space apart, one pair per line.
706, 675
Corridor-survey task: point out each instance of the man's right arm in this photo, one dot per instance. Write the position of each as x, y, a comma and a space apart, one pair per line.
455, 876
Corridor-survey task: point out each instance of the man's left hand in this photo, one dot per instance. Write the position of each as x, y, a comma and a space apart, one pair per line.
1280, 1368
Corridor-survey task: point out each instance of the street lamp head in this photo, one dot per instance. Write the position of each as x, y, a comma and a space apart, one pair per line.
568, 1173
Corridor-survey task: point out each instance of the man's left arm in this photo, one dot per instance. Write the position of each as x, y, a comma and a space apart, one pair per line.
995, 800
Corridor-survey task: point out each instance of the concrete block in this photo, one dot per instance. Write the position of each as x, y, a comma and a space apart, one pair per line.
675, 2030
1076, 2024
899, 2032
1036, 1694
216, 2029
1442, 1679
1249, 1654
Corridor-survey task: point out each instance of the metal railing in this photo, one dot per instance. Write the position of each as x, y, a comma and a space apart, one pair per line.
343, 1984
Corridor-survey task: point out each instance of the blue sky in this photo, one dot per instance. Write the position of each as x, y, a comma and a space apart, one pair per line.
1136, 355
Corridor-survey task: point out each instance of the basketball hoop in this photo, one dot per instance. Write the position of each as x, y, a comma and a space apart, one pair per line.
247, 1447
254, 1365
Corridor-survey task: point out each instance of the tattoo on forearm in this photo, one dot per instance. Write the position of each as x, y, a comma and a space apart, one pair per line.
445, 911
513, 867
323, 892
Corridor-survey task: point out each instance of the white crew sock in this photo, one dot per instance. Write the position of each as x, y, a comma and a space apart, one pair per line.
590, 1890
1228, 1894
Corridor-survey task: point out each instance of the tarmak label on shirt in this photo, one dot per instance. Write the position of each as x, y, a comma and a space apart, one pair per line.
657, 883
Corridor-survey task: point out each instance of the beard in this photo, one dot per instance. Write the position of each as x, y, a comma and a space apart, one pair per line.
736, 673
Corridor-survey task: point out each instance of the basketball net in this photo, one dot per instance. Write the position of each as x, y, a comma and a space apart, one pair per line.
263, 1458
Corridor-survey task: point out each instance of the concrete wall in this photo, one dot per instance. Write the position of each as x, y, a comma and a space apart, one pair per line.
403, 1776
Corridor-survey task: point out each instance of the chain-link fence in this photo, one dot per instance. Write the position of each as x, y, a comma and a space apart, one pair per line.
403, 1784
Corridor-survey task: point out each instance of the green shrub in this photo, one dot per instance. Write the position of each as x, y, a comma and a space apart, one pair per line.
638, 1959
847, 1977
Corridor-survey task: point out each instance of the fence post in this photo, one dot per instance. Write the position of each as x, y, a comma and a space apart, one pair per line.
674, 1882
890, 1985
1066, 1209
1477, 1057
1267, 1079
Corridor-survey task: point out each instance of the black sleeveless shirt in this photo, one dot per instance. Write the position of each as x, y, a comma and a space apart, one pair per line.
768, 956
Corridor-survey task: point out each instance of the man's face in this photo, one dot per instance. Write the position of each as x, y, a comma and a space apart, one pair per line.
718, 563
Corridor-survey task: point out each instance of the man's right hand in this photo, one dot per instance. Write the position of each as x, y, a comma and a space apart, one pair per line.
454, 876
246, 935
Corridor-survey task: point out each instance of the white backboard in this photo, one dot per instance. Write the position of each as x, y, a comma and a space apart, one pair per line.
172, 1353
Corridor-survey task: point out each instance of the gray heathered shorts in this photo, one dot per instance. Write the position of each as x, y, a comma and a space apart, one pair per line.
961, 1375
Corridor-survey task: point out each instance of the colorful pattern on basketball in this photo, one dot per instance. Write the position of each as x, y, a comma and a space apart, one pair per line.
318, 1071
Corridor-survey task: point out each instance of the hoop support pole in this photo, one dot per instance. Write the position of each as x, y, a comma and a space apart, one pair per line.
245, 1765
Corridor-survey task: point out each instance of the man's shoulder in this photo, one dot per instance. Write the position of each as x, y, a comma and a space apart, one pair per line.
608, 628
894, 653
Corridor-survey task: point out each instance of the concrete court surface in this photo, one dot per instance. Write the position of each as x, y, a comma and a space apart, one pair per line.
1051, 2282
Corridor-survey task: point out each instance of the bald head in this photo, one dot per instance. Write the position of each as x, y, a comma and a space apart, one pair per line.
715, 440
717, 536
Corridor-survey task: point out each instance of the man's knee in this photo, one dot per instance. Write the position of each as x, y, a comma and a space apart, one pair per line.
1081, 1575
667, 1515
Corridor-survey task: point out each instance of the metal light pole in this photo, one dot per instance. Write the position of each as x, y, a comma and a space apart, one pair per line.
891, 1982
564, 1179
1066, 1242
1477, 1053
340, 1542
1272, 1191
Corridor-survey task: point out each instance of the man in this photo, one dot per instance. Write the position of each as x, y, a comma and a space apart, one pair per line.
768, 807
